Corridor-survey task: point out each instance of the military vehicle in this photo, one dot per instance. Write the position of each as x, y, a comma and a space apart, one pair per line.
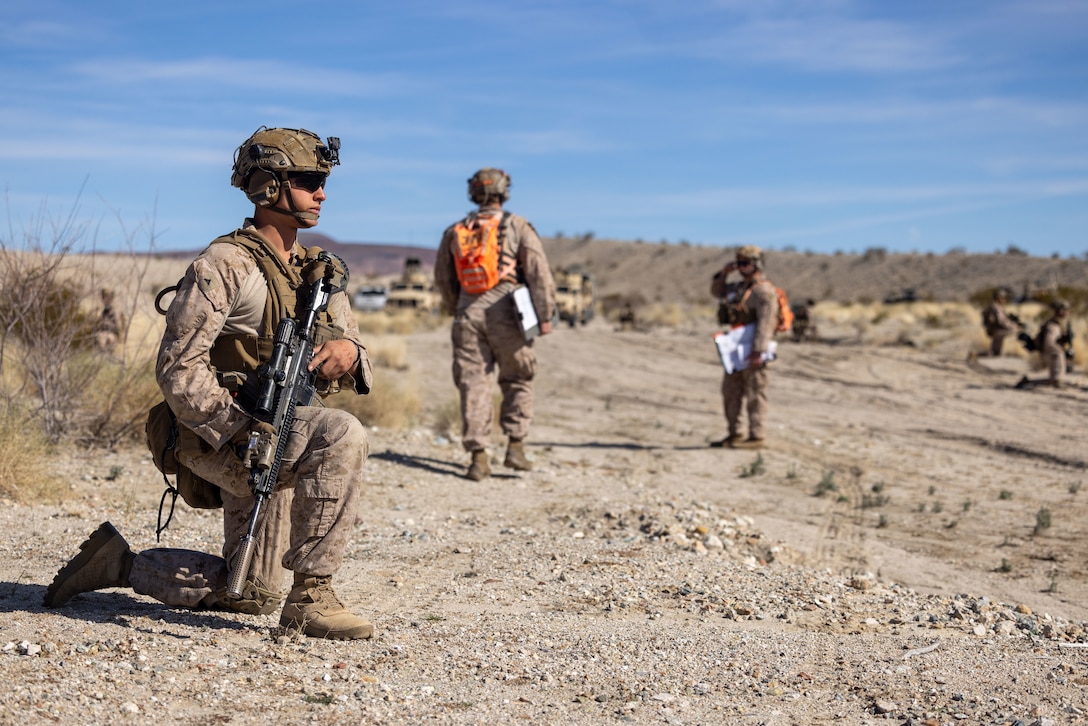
574, 296
413, 291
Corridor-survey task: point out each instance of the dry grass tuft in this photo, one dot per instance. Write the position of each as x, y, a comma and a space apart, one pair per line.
393, 404
387, 352
398, 322
24, 455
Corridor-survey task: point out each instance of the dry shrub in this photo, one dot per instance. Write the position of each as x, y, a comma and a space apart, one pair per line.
25, 452
81, 375
115, 409
393, 404
386, 352
397, 322
664, 315
447, 418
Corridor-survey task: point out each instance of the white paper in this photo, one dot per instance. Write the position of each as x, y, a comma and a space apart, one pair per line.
735, 345
523, 305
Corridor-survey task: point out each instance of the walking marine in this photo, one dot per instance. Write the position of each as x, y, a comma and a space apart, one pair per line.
482, 259
221, 333
751, 301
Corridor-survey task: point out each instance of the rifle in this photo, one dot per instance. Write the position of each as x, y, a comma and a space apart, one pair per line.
285, 383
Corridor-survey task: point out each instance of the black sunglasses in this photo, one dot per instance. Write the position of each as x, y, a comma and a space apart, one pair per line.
309, 181
742, 263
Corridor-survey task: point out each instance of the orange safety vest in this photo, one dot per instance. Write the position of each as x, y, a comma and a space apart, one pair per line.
477, 251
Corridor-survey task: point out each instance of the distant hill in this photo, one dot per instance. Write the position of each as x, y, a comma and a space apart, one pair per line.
681, 273
658, 272
369, 260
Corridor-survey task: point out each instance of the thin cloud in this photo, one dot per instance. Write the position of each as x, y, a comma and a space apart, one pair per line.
838, 44
235, 73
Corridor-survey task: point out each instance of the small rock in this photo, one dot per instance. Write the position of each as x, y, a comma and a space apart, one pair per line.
882, 707
129, 707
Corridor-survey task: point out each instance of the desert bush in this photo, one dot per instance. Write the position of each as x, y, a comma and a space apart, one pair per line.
447, 418
24, 456
398, 322
392, 405
756, 468
42, 329
116, 406
386, 352
52, 364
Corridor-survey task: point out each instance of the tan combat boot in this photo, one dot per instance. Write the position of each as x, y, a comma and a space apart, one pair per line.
313, 608
515, 456
749, 443
104, 560
480, 468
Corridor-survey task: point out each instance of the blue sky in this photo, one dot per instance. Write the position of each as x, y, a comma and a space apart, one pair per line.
818, 125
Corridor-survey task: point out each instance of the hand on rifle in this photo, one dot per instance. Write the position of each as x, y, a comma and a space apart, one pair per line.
335, 358
240, 441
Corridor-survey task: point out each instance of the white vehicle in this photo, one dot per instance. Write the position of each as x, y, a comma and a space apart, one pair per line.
370, 299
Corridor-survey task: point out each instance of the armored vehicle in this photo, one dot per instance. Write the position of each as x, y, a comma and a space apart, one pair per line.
413, 291
574, 296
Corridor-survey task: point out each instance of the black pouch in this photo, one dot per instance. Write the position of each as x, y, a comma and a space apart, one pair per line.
723, 313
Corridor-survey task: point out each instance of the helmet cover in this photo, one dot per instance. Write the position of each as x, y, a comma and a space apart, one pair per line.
489, 184
262, 162
751, 252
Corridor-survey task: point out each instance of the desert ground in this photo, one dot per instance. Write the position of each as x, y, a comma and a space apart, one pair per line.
909, 548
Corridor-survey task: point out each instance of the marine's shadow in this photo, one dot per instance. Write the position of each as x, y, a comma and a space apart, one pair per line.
436, 466
616, 445
117, 608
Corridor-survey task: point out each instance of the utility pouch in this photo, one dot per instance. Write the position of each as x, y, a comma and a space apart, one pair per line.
162, 437
723, 313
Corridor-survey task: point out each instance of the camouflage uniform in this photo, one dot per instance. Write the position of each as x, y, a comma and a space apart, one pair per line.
748, 302
487, 332
110, 325
312, 512
1053, 351
998, 326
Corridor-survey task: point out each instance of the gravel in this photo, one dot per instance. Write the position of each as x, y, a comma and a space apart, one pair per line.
569, 594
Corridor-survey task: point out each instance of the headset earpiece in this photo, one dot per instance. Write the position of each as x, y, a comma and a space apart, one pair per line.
263, 189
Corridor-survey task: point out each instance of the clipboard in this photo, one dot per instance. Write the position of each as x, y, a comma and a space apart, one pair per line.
525, 312
735, 344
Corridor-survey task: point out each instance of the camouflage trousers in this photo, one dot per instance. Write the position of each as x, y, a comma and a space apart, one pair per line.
997, 343
485, 338
1055, 366
746, 386
307, 521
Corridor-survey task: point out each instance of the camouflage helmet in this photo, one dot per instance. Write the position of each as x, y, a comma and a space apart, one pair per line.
489, 184
751, 252
1059, 305
262, 162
